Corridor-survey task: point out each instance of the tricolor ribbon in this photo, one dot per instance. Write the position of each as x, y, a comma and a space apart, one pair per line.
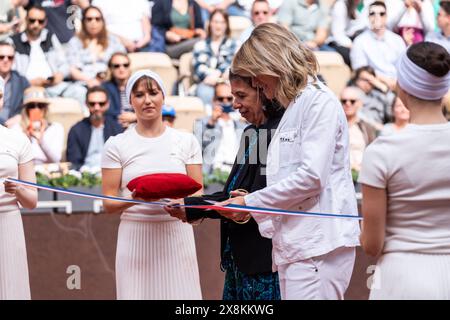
213, 206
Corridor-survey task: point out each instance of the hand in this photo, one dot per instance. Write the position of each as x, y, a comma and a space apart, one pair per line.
417, 4
312, 45
57, 79
129, 45
175, 211
125, 118
140, 44
39, 134
11, 188
216, 114
39, 82
201, 33
172, 37
237, 216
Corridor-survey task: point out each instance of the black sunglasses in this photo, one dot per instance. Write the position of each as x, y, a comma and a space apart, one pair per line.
10, 58
33, 21
223, 99
89, 19
118, 65
94, 103
34, 105
261, 12
352, 101
381, 14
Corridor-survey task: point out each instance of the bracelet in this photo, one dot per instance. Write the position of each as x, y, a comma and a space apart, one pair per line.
244, 221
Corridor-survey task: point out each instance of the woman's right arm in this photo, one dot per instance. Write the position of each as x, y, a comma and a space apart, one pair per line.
111, 180
338, 24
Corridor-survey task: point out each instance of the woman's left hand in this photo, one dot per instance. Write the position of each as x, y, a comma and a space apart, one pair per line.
11, 187
235, 216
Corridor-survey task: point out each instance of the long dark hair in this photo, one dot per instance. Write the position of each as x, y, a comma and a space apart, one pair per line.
84, 35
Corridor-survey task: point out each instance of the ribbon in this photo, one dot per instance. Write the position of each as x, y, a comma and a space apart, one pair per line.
164, 202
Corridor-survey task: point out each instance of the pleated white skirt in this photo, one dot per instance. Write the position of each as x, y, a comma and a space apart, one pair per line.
156, 261
14, 278
411, 276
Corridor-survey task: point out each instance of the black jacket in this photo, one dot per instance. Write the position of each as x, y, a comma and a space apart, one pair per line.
161, 14
80, 137
251, 252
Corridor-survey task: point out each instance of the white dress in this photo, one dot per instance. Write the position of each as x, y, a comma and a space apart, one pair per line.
156, 256
15, 149
413, 166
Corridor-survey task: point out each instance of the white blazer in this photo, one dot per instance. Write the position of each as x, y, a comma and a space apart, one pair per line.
308, 169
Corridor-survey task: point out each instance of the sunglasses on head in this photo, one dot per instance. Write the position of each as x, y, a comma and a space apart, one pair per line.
10, 58
36, 105
94, 103
352, 101
223, 99
90, 19
118, 65
33, 21
381, 13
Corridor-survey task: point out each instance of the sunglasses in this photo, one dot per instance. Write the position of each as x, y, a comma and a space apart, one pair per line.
33, 21
118, 65
223, 99
352, 101
10, 58
35, 105
90, 19
381, 13
94, 103
257, 13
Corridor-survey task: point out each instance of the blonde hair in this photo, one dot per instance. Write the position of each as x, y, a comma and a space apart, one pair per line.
275, 51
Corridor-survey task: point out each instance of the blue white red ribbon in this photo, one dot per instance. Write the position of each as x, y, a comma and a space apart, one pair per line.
213, 206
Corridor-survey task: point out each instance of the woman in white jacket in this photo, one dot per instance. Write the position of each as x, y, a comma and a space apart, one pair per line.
308, 169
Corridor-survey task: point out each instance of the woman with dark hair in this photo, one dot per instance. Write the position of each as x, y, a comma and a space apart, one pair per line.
245, 254
406, 188
213, 56
90, 51
176, 26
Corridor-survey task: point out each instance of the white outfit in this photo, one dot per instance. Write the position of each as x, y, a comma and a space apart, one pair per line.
124, 18
418, 214
303, 174
38, 66
51, 148
156, 257
381, 54
15, 149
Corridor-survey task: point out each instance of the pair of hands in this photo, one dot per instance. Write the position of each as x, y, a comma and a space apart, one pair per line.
133, 46
174, 209
38, 134
49, 82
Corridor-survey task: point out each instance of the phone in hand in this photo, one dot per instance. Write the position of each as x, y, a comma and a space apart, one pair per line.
35, 116
50, 79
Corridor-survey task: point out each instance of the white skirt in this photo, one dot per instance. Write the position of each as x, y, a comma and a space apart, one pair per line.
411, 276
14, 278
156, 261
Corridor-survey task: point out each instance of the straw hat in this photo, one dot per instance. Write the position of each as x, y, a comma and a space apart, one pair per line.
35, 95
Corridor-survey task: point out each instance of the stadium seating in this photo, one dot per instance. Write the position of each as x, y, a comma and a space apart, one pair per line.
238, 25
188, 109
333, 69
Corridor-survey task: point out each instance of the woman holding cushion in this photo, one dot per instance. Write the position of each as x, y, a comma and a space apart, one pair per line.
156, 257
16, 161
308, 168
406, 202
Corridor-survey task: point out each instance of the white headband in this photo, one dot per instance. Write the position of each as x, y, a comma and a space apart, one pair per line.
419, 82
2, 85
143, 73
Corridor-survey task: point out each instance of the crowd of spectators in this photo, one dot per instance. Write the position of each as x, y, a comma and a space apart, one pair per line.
79, 49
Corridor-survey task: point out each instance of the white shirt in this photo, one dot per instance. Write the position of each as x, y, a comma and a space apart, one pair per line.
228, 147
38, 66
124, 18
413, 165
137, 156
94, 153
379, 53
15, 149
399, 16
308, 169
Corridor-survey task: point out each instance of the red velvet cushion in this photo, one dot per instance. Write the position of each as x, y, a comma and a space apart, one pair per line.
163, 185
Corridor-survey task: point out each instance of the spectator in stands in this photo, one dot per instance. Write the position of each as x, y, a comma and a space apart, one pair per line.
47, 138
213, 56
219, 134
411, 19
129, 20
119, 107
378, 47
348, 19
61, 14
177, 26
232, 7
168, 115
89, 52
15, 84
401, 119
307, 19
41, 58
260, 13
87, 137
442, 36
10, 19
378, 97
361, 133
